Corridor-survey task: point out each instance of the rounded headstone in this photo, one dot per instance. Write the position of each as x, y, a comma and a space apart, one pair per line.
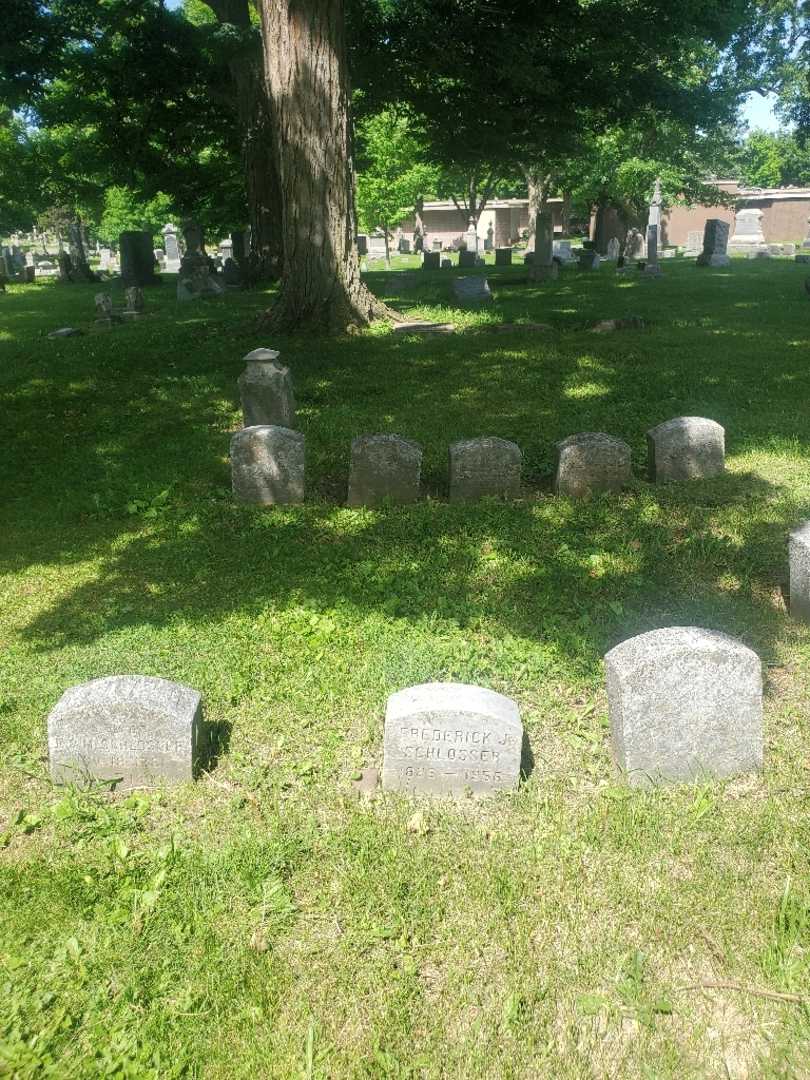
132, 729
487, 466
384, 467
267, 465
799, 558
451, 738
685, 448
590, 462
684, 704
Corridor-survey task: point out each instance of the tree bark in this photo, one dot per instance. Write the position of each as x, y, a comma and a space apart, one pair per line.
418, 226
538, 184
307, 80
80, 269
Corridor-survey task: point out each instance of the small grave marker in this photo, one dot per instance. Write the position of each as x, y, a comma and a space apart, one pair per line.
487, 466
591, 462
267, 465
685, 448
384, 467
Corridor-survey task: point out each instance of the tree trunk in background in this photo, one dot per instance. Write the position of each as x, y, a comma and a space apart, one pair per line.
307, 79
80, 269
538, 184
259, 163
566, 213
418, 226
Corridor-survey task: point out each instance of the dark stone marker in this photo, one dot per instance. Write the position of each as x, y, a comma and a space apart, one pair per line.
503, 256
384, 467
137, 259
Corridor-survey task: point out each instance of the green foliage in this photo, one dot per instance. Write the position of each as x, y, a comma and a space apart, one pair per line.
17, 207
392, 174
124, 210
773, 159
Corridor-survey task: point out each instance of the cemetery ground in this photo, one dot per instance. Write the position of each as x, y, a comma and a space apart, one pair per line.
265, 920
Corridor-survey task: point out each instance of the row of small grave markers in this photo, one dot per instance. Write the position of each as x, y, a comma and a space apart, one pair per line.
685, 704
267, 455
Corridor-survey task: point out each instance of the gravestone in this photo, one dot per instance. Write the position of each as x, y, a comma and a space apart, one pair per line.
685, 448
543, 265
651, 265
29, 274
451, 739
715, 243
436, 245
503, 256
799, 558
267, 465
362, 244
104, 259
466, 259
104, 310
694, 243
486, 466
404, 245
789, 250
588, 259
231, 274
748, 234
471, 239
384, 467
266, 391
134, 729
447, 264
685, 704
471, 290
635, 245
431, 260
591, 462
137, 259
613, 249
134, 302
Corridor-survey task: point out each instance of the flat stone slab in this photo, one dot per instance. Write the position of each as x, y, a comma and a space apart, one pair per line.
416, 327
132, 729
451, 739
267, 465
685, 704
472, 290
65, 331
799, 559
686, 448
487, 466
591, 462
384, 467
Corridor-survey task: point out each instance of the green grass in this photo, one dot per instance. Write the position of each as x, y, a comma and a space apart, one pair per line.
263, 921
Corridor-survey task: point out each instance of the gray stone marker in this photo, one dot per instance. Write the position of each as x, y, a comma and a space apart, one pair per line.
613, 249
694, 243
450, 739
472, 290
684, 704
588, 259
431, 260
466, 259
485, 466
715, 244
799, 558
590, 462
266, 390
748, 231
267, 465
685, 448
503, 256
384, 467
134, 729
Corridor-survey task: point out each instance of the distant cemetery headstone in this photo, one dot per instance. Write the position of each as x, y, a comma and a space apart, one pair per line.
134, 301
466, 259
748, 234
613, 249
404, 245
132, 729
447, 264
588, 259
651, 265
715, 244
104, 259
231, 274
451, 739
267, 465
685, 448
384, 467
266, 391
789, 250
137, 259
635, 245
685, 704
503, 256
431, 260
471, 238
799, 557
362, 244
694, 243
471, 290
591, 462
486, 466
104, 310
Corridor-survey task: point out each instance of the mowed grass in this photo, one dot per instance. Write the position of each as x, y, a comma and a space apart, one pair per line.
264, 922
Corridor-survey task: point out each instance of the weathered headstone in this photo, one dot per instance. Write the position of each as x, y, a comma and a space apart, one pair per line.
134, 301
447, 264
591, 462
503, 256
137, 259
267, 465
133, 729
715, 244
694, 243
789, 250
104, 259
635, 244
471, 238
431, 260
466, 259
231, 274
266, 391
362, 244
104, 310
384, 467
651, 265
685, 704
404, 245
685, 448
450, 739
471, 290
613, 249
487, 466
588, 259
799, 558
748, 234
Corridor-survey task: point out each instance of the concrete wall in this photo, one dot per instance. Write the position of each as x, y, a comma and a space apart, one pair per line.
507, 220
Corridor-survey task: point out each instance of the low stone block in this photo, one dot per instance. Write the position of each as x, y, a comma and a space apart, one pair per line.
384, 467
267, 465
266, 390
588, 260
799, 559
131, 729
503, 256
451, 739
685, 704
487, 466
466, 259
685, 448
591, 462
801, 258
431, 260
472, 290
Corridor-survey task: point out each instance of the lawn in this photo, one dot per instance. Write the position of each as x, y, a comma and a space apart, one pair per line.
264, 921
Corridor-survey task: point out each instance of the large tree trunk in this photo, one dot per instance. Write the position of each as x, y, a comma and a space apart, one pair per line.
307, 79
258, 150
80, 269
538, 184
